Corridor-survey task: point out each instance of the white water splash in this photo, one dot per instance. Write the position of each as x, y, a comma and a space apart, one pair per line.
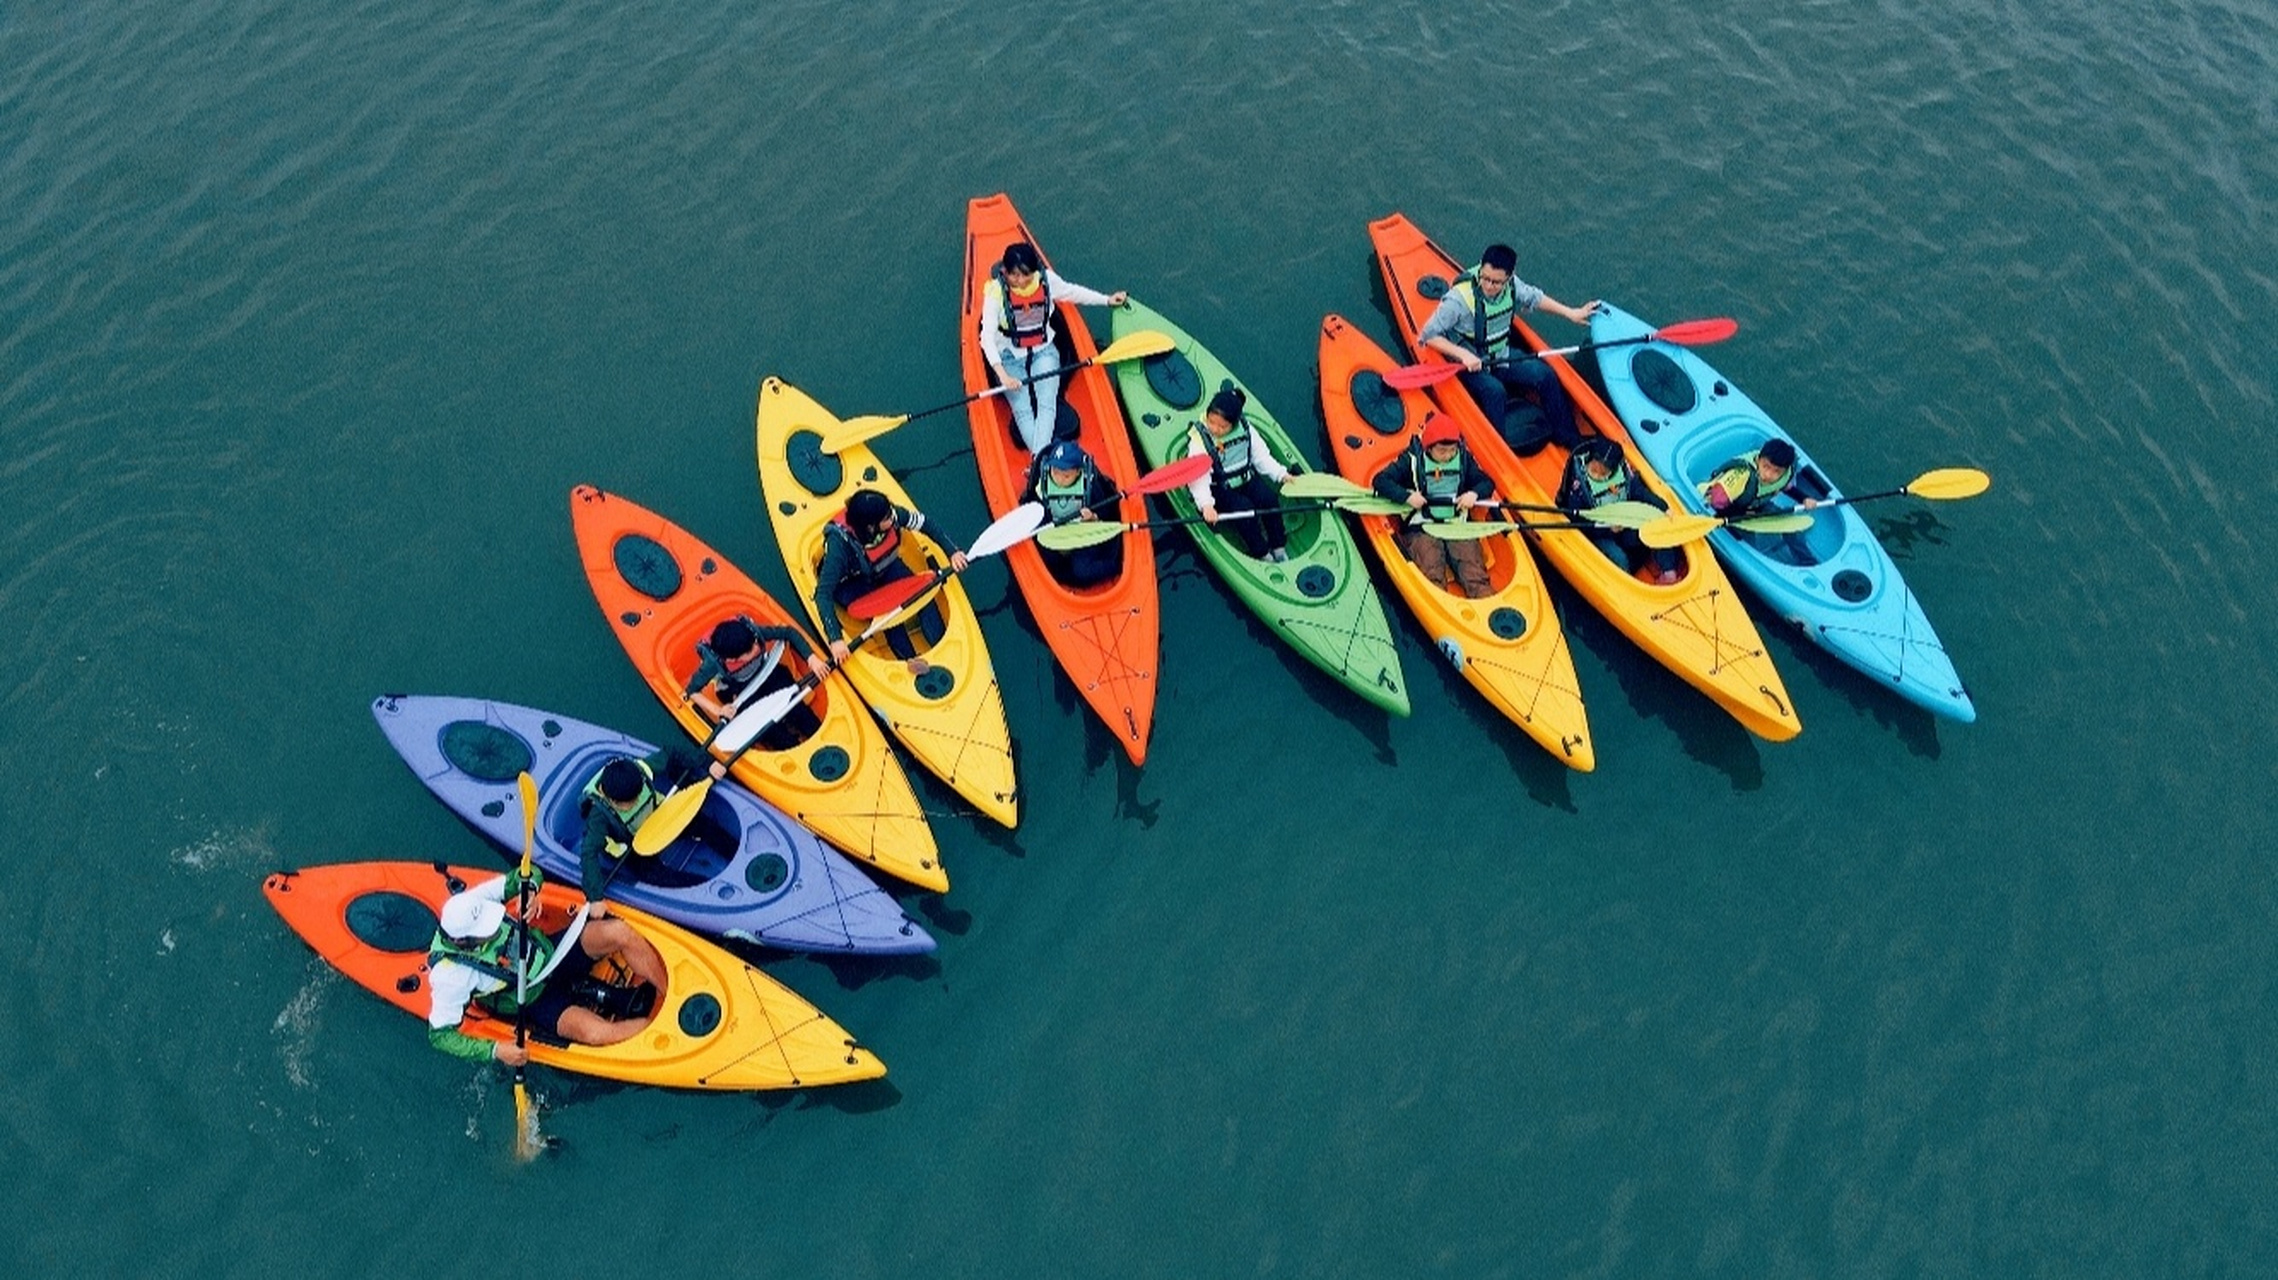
297, 1022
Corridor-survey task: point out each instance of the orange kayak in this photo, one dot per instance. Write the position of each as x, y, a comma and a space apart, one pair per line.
1695, 626
663, 590
720, 1024
1105, 636
1509, 644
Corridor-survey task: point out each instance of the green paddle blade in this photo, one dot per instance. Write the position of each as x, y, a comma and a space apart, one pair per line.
1467, 530
1085, 533
1676, 531
1371, 505
1623, 515
1784, 522
1950, 482
1321, 484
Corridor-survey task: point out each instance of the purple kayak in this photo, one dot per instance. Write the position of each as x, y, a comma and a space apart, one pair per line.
742, 870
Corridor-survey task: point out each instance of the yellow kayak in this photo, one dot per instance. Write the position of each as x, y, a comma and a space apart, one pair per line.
952, 718
1509, 645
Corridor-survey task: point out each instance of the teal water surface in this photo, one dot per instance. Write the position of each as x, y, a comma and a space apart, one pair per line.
311, 317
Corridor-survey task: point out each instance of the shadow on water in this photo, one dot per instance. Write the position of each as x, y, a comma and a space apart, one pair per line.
852, 973
1703, 729
863, 1097
1373, 725
1901, 532
942, 917
1548, 782
1915, 727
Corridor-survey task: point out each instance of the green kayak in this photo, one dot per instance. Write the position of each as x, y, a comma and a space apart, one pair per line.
1320, 600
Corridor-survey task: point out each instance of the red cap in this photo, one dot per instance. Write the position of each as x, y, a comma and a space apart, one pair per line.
1441, 429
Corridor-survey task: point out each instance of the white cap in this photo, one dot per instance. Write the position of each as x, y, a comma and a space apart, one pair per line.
472, 915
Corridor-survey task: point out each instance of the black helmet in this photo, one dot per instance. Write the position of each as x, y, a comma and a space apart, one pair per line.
867, 509
733, 637
622, 780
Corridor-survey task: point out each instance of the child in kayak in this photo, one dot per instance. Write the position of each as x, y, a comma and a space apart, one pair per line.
1472, 326
743, 659
861, 552
1746, 485
618, 800
1244, 476
1436, 476
1598, 473
1018, 337
1073, 489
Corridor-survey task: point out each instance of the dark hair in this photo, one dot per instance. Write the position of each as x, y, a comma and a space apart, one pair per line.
1600, 450
1020, 255
1228, 404
867, 509
1779, 453
1502, 257
621, 780
733, 637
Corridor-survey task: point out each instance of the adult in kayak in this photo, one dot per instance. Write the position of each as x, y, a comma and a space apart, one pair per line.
1749, 484
862, 551
615, 804
472, 957
1072, 488
1472, 326
743, 659
1018, 336
1439, 480
1244, 476
1597, 473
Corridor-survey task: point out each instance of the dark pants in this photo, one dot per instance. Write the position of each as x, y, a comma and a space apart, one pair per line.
796, 723
1261, 534
1493, 388
929, 620
1085, 566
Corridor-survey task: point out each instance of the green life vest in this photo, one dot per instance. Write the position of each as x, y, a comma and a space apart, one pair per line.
493, 958
1490, 334
1231, 464
1063, 503
1607, 490
1744, 486
629, 823
1439, 482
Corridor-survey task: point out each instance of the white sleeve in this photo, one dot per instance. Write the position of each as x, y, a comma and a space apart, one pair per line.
449, 987
1064, 290
992, 317
1199, 487
1262, 458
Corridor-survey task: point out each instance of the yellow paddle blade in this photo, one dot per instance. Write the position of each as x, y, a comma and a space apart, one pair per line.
1368, 504
1779, 522
1622, 515
672, 816
526, 1144
527, 786
1132, 346
1321, 484
1085, 533
1950, 482
1676, 531
856, 431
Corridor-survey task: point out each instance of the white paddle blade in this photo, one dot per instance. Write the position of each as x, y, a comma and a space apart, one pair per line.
758, 718
1015, 526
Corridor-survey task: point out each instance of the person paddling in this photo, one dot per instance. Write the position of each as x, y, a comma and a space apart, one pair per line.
1747, 485
742, 660
1244, 476
1018, 337
1598, 473
1074, 490
1439, 480
618, 800
472, 958
862, 551
1472, 326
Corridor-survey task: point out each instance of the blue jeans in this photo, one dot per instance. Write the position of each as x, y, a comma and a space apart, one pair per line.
1493, 386
1035, 407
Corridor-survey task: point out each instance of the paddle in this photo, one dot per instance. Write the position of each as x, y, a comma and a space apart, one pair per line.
1619, 515
854, 431
1684, 333
1943, 484
525, 1129
1090, 533
1677, 530
1010, 529
1473, 530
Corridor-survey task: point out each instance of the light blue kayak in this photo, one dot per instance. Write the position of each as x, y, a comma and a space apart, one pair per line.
742, 870
1833, 581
